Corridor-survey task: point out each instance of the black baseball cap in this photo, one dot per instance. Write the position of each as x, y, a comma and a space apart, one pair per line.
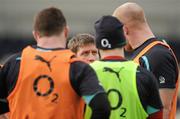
109, 33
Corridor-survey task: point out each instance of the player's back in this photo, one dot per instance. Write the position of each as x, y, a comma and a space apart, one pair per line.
119, 81
43, 89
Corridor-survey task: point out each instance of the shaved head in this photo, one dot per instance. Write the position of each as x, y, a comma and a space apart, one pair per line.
136, 28
130, 13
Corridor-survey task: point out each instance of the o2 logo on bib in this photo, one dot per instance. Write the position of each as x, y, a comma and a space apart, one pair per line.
40, 89
105, 43
115, 105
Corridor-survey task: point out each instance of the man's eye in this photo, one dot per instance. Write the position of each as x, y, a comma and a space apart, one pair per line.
85, 53
94, 52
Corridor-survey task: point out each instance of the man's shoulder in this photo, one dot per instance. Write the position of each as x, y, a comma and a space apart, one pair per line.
14, 57
12, 61
157, 55
79, 66
158, 50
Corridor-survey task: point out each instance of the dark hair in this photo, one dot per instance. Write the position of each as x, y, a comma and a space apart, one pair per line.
49, 21
80, 40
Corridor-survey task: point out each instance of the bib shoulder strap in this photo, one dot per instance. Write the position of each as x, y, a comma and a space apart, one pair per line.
136, 59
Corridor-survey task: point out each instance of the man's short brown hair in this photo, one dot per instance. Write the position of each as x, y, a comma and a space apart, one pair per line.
80, 40
49, 21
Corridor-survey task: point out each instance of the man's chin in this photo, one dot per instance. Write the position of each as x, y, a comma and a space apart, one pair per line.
128, 48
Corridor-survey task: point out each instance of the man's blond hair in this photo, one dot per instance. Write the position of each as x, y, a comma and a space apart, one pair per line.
80, 40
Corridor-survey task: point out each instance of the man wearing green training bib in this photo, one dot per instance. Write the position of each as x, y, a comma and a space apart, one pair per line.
132, 91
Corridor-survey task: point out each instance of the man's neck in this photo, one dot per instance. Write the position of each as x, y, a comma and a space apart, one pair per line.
52, 42
113, 52
141, 37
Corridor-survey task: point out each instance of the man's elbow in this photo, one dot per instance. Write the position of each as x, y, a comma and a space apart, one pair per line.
100, 107
156, 115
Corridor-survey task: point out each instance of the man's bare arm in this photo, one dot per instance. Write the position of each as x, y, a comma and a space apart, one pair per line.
3, 116
166, 97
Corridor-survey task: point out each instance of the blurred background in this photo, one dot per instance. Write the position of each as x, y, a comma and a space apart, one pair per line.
16, 20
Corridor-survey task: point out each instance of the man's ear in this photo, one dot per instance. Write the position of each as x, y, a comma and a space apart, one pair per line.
126, 34
125, 29
36, 35
66, 31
